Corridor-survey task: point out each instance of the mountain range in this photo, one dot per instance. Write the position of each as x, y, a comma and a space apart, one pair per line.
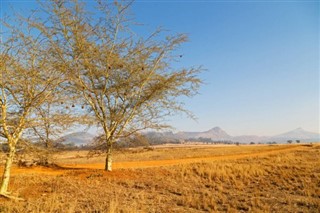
215, 134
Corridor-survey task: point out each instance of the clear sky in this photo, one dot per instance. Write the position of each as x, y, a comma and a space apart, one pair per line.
261, 60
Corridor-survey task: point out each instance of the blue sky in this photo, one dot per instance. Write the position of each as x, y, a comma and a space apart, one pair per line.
261, 60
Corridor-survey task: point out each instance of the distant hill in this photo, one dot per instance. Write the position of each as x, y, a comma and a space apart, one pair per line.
77, 138
214, 134
297, 134
161, 137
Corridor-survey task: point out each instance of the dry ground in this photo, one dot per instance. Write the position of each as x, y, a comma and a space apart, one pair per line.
261, 178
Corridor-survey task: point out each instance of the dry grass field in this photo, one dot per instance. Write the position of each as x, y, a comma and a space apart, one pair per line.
255, 178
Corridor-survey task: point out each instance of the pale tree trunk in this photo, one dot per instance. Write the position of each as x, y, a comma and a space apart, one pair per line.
108, 166
6, 172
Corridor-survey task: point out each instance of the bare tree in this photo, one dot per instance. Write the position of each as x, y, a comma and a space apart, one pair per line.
126, 82
55, 117
28, 79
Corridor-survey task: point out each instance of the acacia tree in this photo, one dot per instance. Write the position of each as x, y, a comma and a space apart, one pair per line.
127, 82
54, 118
51, 125
28, 79
57, 115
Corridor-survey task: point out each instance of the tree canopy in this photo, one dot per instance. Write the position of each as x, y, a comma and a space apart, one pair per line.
126, 81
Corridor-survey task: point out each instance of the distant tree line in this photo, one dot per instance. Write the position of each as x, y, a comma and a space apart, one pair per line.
291, 141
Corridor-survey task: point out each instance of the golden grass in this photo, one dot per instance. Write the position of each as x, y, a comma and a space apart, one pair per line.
286, 181
141, 154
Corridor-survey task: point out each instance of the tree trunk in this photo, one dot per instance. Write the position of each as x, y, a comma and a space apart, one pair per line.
108, 166
6, 172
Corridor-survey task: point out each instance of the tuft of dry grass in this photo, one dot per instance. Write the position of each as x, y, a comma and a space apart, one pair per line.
280, 182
